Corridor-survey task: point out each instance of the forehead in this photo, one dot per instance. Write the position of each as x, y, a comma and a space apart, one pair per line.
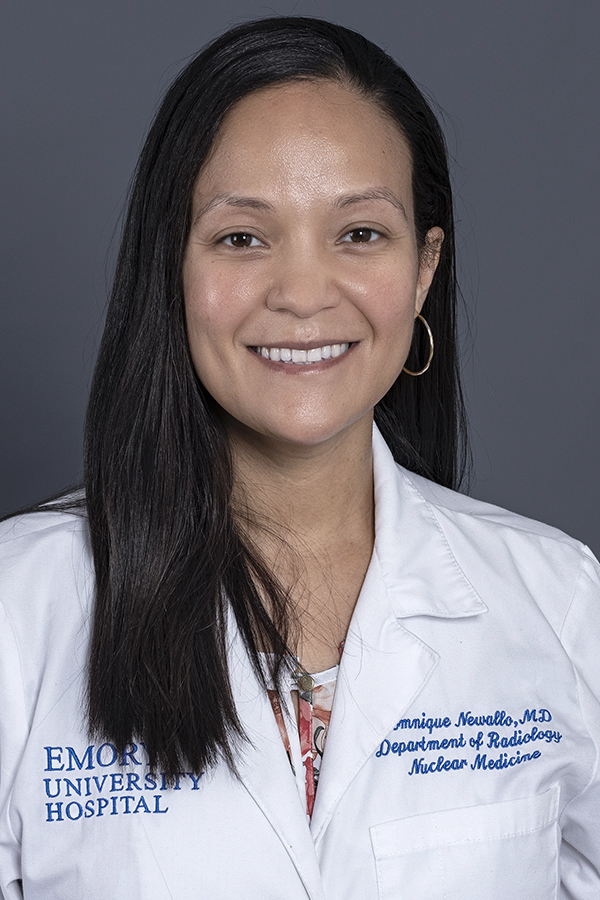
320, 135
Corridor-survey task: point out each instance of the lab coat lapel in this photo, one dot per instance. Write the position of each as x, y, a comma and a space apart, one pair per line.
265, 770
383, 670
384, 666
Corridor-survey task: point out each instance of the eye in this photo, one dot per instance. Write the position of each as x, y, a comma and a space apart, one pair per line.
361, 236
240, 240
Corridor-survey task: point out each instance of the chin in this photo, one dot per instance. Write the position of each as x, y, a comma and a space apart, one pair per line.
314, 427
312, 434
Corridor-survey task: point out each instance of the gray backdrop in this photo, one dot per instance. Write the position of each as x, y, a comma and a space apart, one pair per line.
518, 81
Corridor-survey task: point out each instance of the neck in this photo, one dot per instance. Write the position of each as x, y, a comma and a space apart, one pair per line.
309, 512
305, 494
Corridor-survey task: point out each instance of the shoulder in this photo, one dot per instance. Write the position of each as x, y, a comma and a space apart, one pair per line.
45, 561
510, 561
499, 548
489, 521
488, 527
45, 530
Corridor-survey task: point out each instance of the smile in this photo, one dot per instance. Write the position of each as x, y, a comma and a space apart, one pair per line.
302, 357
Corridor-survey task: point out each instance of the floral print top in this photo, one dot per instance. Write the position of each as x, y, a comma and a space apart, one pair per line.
308, 701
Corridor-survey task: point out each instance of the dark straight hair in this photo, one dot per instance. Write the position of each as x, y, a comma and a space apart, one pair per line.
171, 564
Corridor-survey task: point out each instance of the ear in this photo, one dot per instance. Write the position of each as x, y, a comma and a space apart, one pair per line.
428, 260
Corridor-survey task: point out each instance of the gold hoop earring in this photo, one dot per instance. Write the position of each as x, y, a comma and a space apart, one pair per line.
428, 363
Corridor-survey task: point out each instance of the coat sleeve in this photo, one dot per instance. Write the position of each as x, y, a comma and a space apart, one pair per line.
580, 821
13, 735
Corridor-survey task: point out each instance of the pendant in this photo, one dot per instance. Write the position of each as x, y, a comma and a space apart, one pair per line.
304, 681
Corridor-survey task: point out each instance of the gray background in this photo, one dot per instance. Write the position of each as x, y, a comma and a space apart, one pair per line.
518, 82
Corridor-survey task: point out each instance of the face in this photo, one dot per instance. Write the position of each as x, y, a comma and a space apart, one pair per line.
302, 275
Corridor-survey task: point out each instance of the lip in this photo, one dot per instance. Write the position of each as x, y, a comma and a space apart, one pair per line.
305, 368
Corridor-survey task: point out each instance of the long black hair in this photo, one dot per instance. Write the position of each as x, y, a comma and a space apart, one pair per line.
170, 562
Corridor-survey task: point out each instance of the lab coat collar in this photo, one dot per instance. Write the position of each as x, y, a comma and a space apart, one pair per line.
418, 566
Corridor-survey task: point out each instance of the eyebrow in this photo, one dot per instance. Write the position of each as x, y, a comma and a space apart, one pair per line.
234, 200
380, 193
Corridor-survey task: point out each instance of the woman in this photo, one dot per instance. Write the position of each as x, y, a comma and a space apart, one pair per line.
251, 551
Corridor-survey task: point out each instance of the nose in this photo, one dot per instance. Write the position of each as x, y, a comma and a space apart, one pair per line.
303, 284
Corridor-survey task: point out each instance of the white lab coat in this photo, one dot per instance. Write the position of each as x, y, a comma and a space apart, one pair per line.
462, 757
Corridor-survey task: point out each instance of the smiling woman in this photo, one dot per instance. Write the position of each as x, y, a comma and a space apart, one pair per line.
209, 655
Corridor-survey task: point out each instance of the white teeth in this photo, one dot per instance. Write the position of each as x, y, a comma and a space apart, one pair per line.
302, 357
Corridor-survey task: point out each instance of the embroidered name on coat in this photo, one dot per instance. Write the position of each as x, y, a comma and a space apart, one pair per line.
517, 745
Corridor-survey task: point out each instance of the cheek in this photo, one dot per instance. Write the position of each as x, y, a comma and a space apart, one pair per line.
203, 325
392, 321
212, 306
392, 308
216, 307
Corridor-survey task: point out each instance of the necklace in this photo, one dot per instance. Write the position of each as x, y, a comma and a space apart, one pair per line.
304, 681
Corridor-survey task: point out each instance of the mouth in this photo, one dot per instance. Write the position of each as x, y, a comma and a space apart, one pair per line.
297, 357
